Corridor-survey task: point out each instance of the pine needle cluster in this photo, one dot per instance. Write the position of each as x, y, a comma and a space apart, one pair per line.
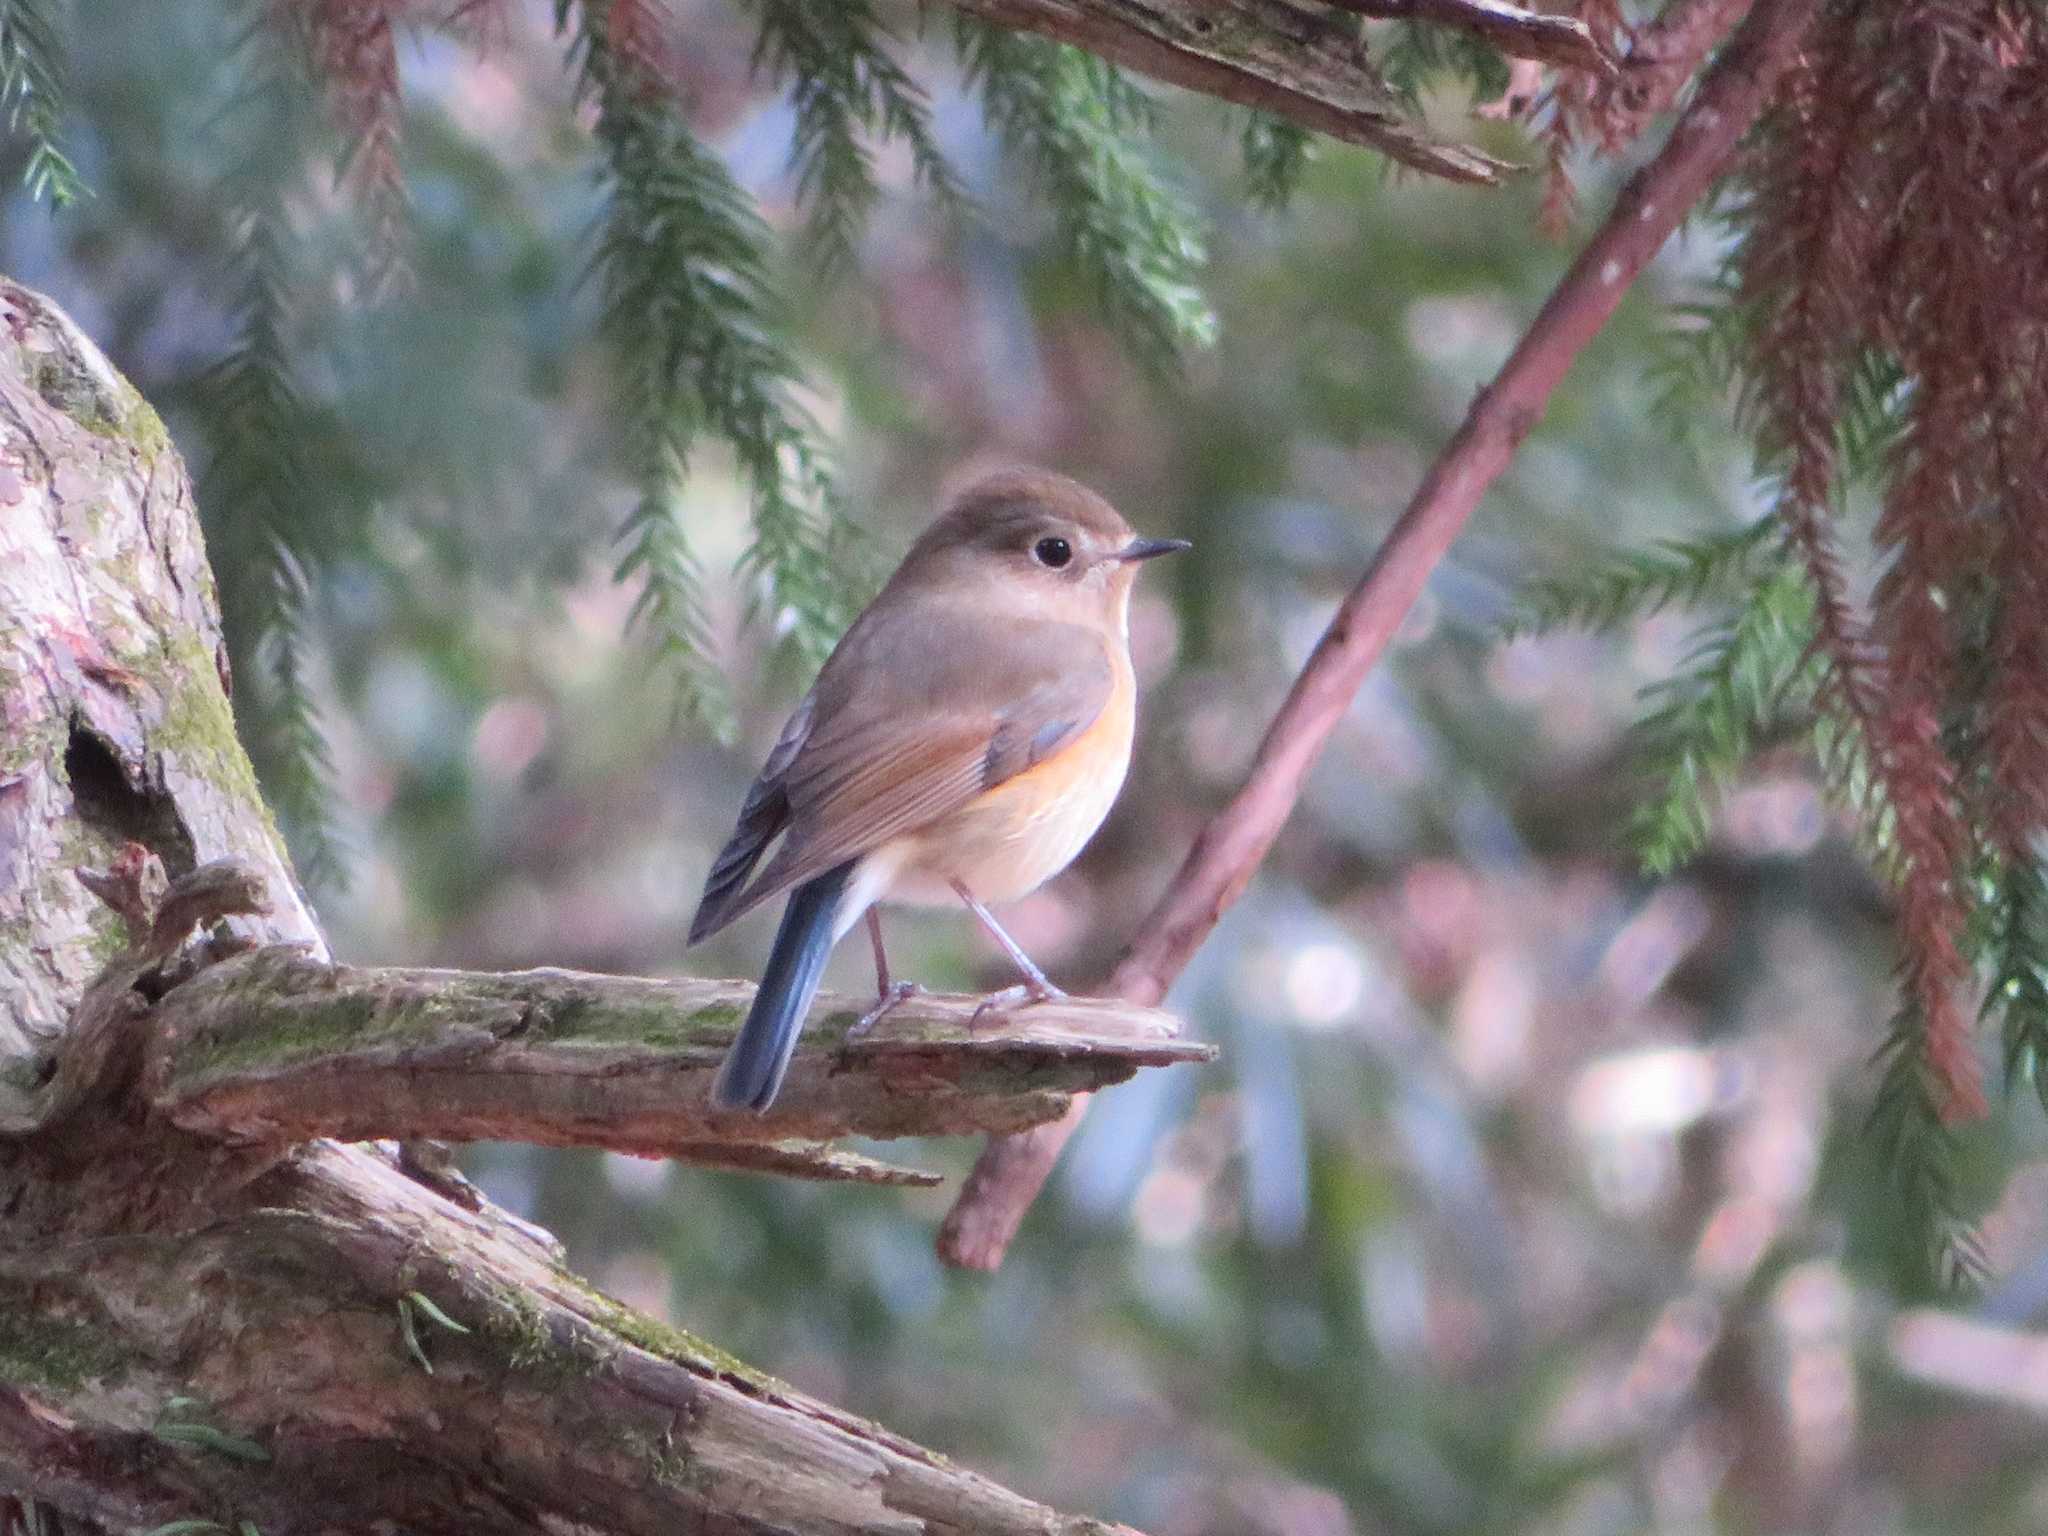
1077, 122
1277, 153
258, 482
1884, 316
849, 94
354, 47
32, 96
689, 310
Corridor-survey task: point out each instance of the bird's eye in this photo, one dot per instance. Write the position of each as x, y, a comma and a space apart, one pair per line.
1053, 552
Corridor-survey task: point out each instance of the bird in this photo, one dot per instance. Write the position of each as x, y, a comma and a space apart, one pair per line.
963, 742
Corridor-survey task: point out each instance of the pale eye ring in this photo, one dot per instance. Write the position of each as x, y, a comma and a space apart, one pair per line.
1052, 553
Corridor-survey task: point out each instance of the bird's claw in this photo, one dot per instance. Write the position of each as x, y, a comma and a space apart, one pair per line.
893, 997
1022, 995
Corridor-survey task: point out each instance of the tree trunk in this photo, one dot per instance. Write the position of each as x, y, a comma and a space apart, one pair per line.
210, 1314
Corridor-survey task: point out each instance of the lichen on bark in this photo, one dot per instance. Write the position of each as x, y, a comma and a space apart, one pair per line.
113, 718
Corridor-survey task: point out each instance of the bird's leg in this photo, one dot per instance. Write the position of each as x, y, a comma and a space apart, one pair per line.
887, 994
881, 954
1036, 987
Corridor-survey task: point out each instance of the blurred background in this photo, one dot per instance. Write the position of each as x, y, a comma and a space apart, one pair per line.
1528, 1195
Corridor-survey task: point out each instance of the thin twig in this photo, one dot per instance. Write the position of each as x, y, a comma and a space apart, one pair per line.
1221, 863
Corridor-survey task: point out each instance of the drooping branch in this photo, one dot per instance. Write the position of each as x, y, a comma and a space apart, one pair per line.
278, 1046
1230, 848
1293, 58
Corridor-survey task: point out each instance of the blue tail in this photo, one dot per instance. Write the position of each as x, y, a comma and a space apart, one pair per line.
752, 1071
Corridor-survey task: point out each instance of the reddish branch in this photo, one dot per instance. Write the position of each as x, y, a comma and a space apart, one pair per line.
1231, 847
1662, 57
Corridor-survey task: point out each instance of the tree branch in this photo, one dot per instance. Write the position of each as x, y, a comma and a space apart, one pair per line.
1289, 57
1564, 41
278, 1046
333, 1347
1228, 851
1664, 56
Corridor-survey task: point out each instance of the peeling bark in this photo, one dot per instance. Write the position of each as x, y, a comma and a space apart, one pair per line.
210, 1312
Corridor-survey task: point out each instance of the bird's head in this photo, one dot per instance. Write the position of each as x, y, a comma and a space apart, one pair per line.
1033, 540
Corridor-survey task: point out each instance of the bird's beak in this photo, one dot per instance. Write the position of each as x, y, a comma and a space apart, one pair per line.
1151, 549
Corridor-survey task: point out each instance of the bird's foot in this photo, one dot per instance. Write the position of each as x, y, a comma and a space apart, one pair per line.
892, 997
1022, 995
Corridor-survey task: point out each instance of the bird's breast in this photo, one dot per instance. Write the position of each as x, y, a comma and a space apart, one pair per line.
1009, 840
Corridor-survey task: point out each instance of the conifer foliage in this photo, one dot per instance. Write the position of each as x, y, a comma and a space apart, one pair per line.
32, 95
1884, 313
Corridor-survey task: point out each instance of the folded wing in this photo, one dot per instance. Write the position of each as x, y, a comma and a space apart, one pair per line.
921, 708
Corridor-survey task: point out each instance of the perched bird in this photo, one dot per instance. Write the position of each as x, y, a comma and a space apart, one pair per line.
963, 741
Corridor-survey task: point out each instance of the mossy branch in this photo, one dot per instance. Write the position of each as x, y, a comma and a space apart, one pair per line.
276, 1046
130, 1399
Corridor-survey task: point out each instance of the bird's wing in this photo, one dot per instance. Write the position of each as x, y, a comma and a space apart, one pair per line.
919, 711
763, 815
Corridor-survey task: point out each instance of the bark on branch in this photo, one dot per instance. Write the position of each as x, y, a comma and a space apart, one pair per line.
212, 1331
1227, 853
325, 1345
278, 1046
1294, 58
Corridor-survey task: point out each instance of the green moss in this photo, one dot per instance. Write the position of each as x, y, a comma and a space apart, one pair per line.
140, 424
40, 741
672, 1464
198, 727
316, 1022
653, 1021
109, 937
52, 1352
71, 387
267, 1035
518, 1325
669, 1342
